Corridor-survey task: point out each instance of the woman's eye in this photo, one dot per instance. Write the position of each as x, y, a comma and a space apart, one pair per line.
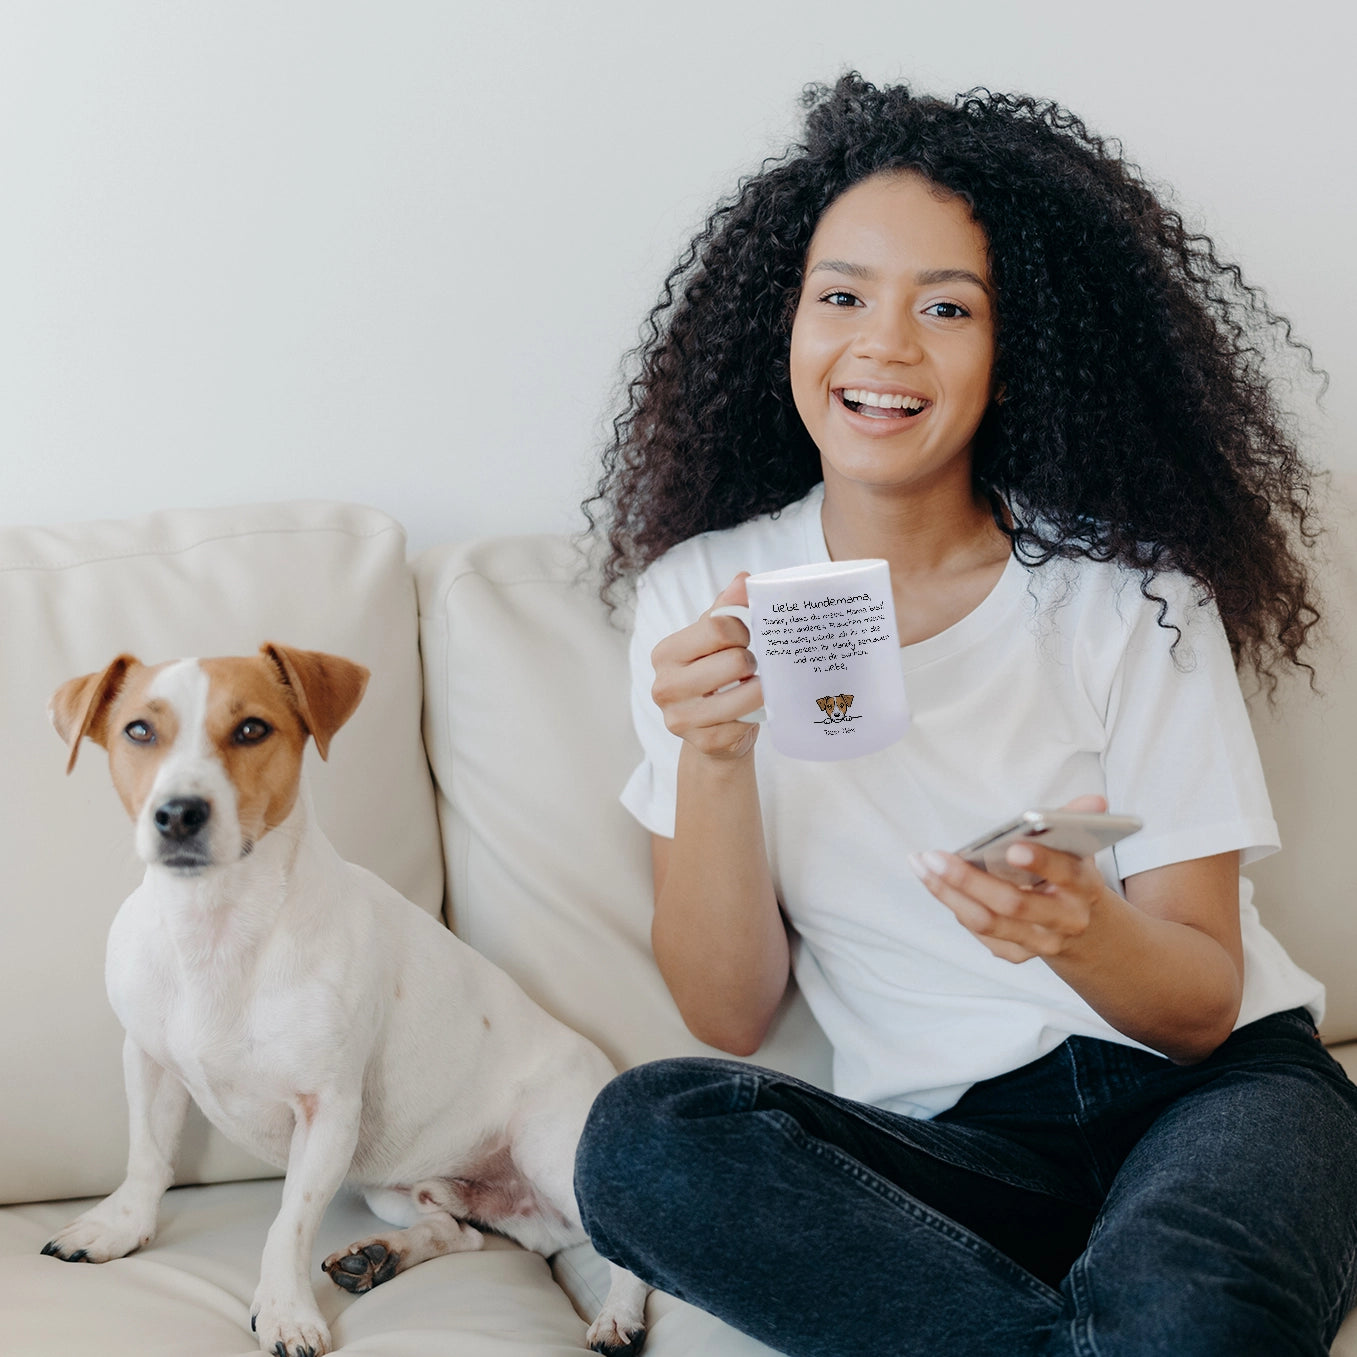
946, 311
838, 298
251, 731
139, 733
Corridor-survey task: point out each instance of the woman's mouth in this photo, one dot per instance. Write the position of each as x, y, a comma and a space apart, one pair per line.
881, 404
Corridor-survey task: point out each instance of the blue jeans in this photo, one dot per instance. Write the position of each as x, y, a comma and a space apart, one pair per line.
1101, 1201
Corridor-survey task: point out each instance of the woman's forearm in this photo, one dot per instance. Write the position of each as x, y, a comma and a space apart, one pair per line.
718, 933
1165, 983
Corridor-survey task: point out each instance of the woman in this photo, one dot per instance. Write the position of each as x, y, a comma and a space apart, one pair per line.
1087, 1116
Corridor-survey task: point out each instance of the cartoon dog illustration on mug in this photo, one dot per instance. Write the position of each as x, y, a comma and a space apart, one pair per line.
835, 708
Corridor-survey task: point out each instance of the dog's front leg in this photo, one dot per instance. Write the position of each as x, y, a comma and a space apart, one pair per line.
284, 1314
156, 1105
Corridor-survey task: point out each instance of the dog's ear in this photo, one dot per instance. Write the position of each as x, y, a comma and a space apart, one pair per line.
80, 706
328, 688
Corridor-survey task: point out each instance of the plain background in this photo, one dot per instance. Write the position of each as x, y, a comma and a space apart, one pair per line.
394, 252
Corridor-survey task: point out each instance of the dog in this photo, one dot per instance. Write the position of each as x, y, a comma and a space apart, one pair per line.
319, 1018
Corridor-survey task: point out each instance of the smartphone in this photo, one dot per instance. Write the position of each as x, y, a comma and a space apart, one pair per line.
1066, 831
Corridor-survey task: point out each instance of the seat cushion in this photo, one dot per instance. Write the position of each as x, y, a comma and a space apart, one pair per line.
190, 1291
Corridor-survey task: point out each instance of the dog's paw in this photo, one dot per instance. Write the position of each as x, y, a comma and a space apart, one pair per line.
106, 1231
362, 1266
296, 1332
611, 1335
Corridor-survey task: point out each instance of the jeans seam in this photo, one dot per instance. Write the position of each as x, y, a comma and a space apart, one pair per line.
921, 1211
1080, 1122
747, 1084
1081, 1324
1344, 1298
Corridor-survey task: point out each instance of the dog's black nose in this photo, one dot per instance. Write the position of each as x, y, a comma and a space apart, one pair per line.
182, 817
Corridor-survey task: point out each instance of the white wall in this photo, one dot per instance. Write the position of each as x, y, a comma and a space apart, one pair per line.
393, 252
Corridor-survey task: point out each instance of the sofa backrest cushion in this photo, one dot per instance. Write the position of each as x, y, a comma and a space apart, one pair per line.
1307, 893
530, 740
211, 582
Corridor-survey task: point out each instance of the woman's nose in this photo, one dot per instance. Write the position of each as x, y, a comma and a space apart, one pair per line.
889, 338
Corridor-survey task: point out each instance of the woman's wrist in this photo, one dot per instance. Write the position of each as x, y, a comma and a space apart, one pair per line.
1162, 982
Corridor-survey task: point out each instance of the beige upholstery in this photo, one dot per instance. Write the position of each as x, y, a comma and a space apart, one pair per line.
1306, 893
528, 737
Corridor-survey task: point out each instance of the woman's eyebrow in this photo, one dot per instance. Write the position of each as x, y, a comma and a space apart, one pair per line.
843, 266
930, 276
925, 277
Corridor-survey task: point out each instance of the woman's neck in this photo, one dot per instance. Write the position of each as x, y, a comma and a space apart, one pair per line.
944, 548
941, 529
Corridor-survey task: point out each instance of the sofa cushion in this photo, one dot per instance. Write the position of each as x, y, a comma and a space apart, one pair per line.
1307, 737
190, 1291
529, 736
209, 582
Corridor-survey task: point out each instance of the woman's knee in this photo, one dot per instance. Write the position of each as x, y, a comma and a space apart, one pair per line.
641, 1147
634, 1119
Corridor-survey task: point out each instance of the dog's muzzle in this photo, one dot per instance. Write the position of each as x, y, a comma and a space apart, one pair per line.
180, 822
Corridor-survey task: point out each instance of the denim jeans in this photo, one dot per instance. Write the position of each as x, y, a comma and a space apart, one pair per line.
1101, 1201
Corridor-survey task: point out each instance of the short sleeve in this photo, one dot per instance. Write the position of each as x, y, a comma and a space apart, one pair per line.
672, 593
652, 790
1180, 752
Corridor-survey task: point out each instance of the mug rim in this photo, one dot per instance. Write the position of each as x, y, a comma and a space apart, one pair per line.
818, 570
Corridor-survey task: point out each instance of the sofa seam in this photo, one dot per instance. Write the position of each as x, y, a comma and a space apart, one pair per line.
454, 874
472, 573
392, 527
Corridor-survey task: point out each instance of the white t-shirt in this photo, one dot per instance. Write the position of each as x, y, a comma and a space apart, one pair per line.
1059, 683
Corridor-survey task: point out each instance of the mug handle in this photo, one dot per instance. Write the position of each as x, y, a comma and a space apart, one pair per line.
760, 714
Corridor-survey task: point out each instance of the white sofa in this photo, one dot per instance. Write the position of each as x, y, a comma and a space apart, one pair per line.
479, 776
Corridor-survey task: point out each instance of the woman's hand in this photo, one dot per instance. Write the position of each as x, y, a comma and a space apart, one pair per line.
704, 681
1017, 922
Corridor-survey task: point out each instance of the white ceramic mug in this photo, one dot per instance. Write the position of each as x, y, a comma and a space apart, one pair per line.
828, 656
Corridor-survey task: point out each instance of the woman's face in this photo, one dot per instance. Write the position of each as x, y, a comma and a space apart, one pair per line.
892, 351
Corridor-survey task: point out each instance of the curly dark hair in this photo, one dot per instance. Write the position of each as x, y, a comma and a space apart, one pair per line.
1139, 422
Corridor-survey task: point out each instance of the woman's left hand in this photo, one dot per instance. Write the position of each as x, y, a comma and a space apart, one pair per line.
1017, 922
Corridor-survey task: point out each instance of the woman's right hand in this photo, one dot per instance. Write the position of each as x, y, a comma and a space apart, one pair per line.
694, 665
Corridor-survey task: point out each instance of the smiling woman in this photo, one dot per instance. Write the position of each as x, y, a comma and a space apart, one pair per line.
966, 340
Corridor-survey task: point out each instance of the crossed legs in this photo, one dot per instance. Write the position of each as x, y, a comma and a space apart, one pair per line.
1225, 1227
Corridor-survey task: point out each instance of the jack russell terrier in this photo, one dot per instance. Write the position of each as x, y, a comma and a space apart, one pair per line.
318, 1018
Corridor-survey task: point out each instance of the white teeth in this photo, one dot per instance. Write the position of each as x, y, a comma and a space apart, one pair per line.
884, 400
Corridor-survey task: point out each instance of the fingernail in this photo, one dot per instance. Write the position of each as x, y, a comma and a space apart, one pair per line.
1020, 855
928, 864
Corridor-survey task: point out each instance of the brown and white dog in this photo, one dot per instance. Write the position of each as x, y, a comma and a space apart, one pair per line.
317, 1017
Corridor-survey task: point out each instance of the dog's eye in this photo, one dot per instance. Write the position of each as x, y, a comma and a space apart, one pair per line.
139, 732
251, 731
